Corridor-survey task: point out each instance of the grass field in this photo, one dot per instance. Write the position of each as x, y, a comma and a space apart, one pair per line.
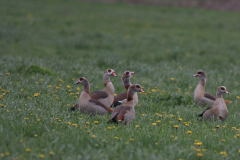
47, 45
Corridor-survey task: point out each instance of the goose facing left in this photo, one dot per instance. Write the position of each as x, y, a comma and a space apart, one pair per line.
88, 105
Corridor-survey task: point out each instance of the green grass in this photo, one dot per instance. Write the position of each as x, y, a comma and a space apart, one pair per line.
44, 41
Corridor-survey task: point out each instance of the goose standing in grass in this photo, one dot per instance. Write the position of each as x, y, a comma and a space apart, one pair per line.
88, 105
219, 109
200, 96
125, 113
121, 98
105, 96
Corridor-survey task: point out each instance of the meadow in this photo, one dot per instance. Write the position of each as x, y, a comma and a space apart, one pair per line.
47, 45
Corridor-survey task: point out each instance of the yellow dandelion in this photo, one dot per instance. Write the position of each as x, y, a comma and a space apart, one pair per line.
96, 122
131, 139
60, 80
87, 123
217, 126
156, 143
180, 119
172, 79
223, 152
28, 150
199, 154
238, 97
223, 140
38, 120
189, 132
7, 74
233, 128
68, 86
35, 135
154, 90
93, 136
109, 128
1, 96
176, 126
115, 137
136, 126
41, 155
198, 150
51, 153
186, 93
154, 124
26, 118
19, 110
75, 125
36, 94
158, 121
198, 144
20, 140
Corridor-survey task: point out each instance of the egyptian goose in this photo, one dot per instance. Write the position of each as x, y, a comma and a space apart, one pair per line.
125, 113
200, 96
121, 98
219, 109
105, 96
88, 105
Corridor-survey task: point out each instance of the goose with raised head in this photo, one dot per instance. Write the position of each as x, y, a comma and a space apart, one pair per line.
88, 105
200, 96
121, 98
126, 113
105, 96
219, 110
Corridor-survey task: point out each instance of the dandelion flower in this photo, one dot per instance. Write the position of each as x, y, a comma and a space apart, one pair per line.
7, 74
28, 150
199, 154
180, 119
19, 110
154, 124
115, 137
172, 79
217, 126
238, 97
136, 126
176, 126
93, 136
189, 132
131, 139
26, 118
96, 122
60, 80
109, 128
41, 155
51, 153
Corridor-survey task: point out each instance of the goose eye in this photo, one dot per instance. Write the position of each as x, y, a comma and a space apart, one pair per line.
137, 86
109, 70
127, 73
199, 72
222, 88
81, 79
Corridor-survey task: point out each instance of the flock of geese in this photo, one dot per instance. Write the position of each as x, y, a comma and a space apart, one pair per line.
100, 102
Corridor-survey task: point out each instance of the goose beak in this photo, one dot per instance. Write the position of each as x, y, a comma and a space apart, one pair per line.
132, 73
114, 74
77, 82
226, 92
141, 90
195, 75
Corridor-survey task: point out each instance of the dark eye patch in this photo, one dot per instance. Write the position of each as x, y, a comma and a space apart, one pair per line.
127, 73
81, 79
222, 88
137, 86
109, 70
199, 72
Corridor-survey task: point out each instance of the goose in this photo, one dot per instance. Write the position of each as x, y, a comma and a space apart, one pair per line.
200, 96
105, 96
219, 109
125, 113
88, 105
121, 98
